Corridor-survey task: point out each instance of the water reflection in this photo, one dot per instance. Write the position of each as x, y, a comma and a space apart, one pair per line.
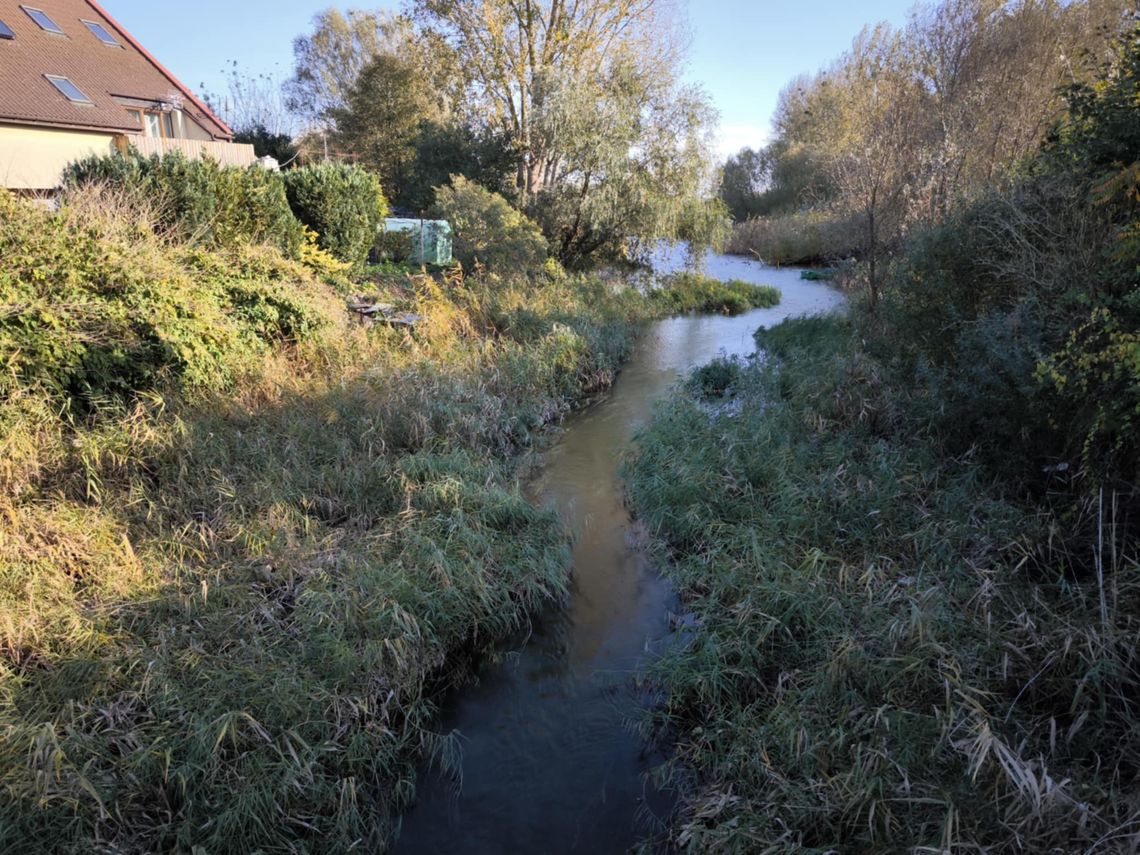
549, 764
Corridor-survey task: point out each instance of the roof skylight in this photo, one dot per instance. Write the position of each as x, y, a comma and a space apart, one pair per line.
100, 32
6, 31
41, 18
68, 89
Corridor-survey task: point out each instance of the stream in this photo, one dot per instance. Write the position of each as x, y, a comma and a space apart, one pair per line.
550, 763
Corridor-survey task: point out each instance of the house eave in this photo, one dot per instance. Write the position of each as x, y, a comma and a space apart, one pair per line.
69, 126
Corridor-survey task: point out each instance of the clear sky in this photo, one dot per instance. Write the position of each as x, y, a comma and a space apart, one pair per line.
743, 51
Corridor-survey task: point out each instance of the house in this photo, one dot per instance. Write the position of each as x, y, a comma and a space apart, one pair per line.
73, 83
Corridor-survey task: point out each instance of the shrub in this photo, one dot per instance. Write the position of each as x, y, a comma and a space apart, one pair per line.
89, 317
199, 200
488, 230
394, 246
716, 378
343, 204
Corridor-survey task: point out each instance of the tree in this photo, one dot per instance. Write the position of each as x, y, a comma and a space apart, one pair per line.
980, 80
875, 164
512, 54
447, 148
611, 152
381, 119
328, 62
743, 180
632, 167
268, 144
254, 108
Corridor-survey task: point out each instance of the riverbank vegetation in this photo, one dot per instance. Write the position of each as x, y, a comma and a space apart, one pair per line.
908, 537
889, 649
910, 122
243, 531
576, 114
685, 292
247, 531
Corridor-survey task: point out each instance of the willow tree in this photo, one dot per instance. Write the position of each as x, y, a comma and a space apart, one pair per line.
612, 152
513, 53
632, 165
878, 155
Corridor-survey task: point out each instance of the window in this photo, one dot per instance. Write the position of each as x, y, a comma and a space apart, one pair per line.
155, 124
100, 32
6, 31
68, 89
41, 18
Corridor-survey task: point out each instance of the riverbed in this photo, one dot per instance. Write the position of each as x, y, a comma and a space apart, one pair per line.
550, 761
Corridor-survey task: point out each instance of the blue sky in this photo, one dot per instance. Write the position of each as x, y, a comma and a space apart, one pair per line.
743, 51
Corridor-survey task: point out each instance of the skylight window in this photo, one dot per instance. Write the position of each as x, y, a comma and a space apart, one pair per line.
6, 31
100, 32
68, 89
41, 18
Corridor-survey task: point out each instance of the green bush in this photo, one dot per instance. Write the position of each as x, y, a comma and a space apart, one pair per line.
88, 317
343, 204
488, 230
199, 200
715, 379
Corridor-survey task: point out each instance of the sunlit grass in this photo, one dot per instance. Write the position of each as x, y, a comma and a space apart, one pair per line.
230, 591
887, 654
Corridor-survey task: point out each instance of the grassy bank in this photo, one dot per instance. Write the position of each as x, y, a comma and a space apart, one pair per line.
681, 293
887, 654
242, 531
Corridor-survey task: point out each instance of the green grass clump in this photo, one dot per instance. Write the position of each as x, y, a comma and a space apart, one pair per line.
716, 378
821, 275
243, 534
694, 292
886, 653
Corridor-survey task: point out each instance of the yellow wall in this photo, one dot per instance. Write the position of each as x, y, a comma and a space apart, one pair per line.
191, 130
34, 158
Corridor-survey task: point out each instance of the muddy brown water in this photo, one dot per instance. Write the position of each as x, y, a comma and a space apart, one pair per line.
550, 763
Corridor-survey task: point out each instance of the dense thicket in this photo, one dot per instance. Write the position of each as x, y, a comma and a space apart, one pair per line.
1020, 310
910, 122
331, 208
198, 200
909, 537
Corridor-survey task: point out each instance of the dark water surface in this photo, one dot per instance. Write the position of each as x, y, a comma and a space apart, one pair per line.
549, 762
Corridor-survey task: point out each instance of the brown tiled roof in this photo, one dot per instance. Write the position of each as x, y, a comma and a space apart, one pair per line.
99, 71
